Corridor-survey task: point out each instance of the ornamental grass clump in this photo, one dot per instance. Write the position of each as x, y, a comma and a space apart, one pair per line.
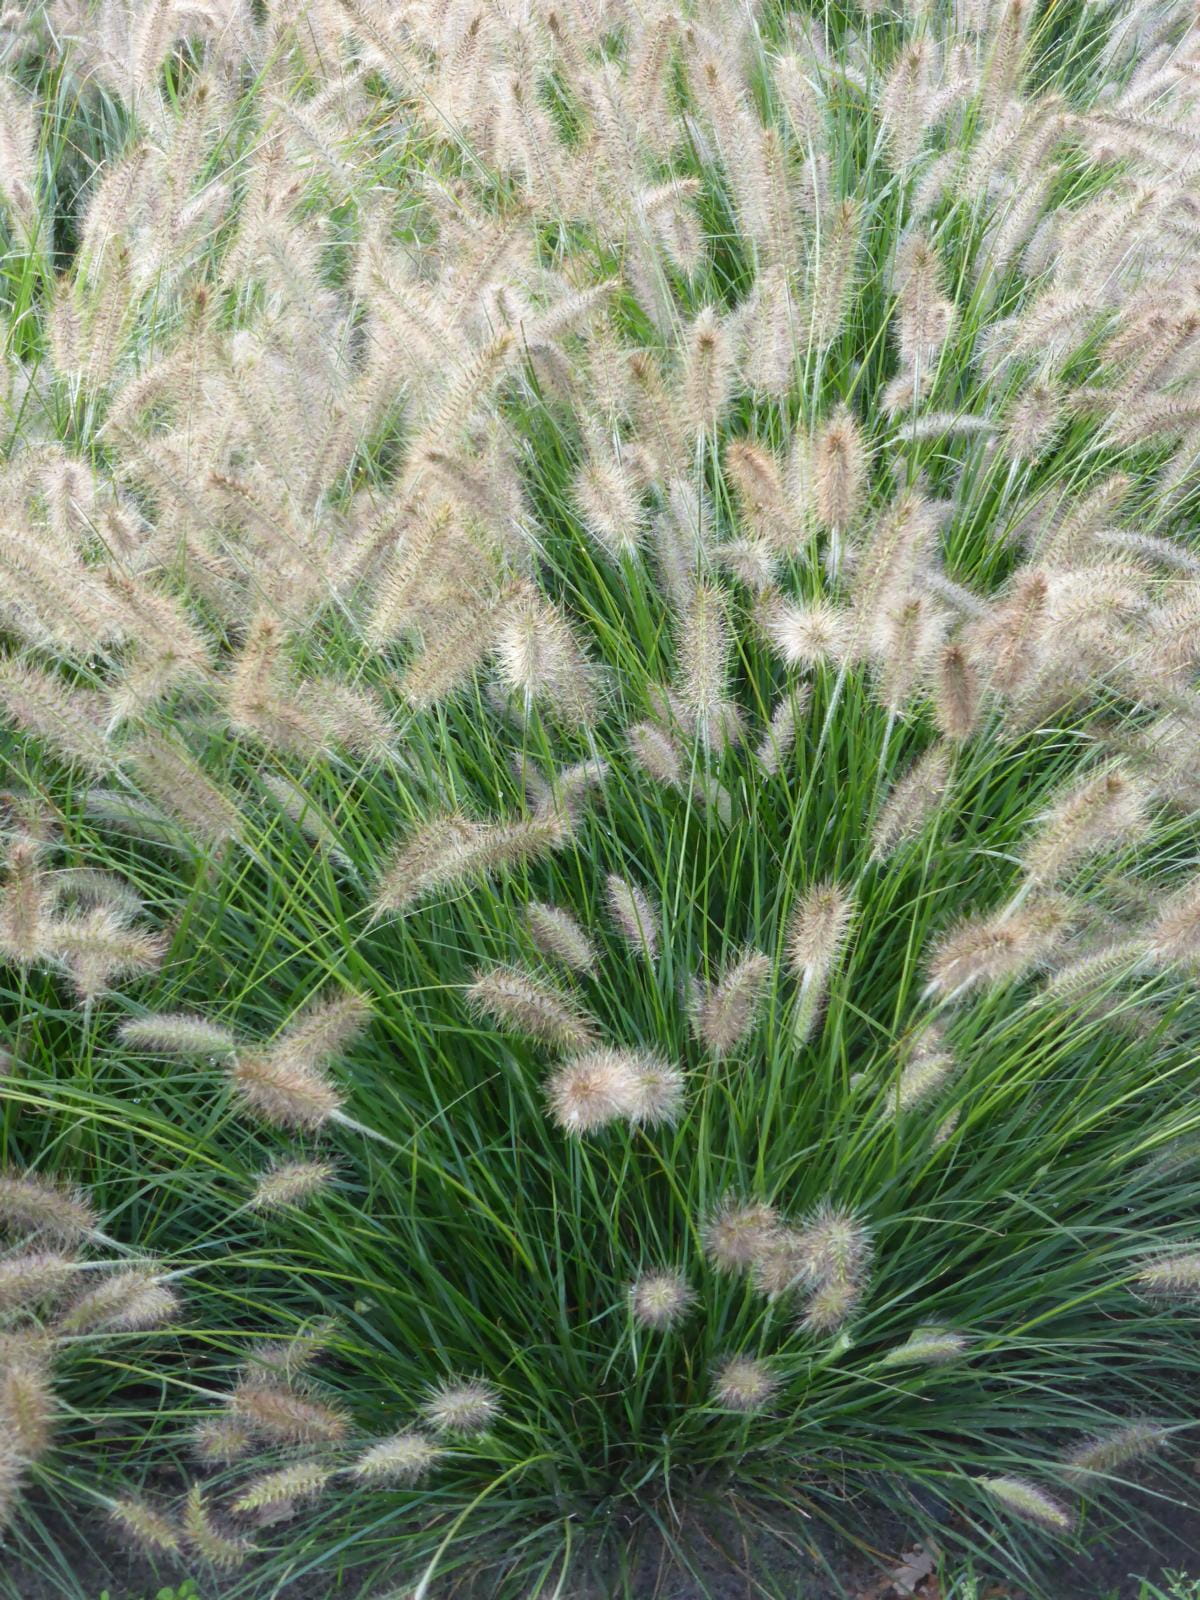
598, 847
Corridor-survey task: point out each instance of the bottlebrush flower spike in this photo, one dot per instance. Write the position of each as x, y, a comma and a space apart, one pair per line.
559, 936
1106, 812
738, 1232
660, 1299
204, 1537
31, 1204
817, 933
291, 1183
128, 1301
515, 999
280, 1414
594, 1089
404, 1458
1107, 1453
839, 472
467, 1407
744, 1383
147, 1527
1028, 1502
725, 1012
927, 1347
914, 799
636, 917
997, 949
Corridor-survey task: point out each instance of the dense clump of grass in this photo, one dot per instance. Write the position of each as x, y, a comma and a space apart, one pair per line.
601, 915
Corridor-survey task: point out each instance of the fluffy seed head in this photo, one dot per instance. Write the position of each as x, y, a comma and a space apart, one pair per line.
593, 1090
956, 695
1174, 1277
661, 1298
1110, 1451
831, 1305
836, 1246
806, 635
537, 655
818, 930
168, 776
635, 916
303, 1481
707, 373
559, 937
779, 736
744, 1383
1175, 932
291, 1183
655, 753
928, 1068
738, 1233
149, 1528
839, 472
453, 849
780, 1263
658, 1090
220, 1441
914, 799
178, 1033
1029, 1502
404, 1458
26, 1404
997, 949
283, 1089
97, 948
725, 1011
281, 1414
206, 1539
38, 1275
1105, 812
467, 1406
129, 1301
33, 1204
517, 1000
927, 1347
703, 679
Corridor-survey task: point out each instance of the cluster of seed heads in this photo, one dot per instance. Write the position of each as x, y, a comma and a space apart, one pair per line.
174, 565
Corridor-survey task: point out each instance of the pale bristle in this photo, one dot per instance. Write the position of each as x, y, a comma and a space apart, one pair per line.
997, 949
927, 1347
1108, 1453
284, 1090
147, 1527
37, 1276
205, 1538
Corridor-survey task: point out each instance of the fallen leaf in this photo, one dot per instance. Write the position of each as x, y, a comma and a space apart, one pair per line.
915, 1566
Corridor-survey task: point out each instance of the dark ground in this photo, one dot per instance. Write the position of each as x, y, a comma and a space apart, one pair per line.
54, 1559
